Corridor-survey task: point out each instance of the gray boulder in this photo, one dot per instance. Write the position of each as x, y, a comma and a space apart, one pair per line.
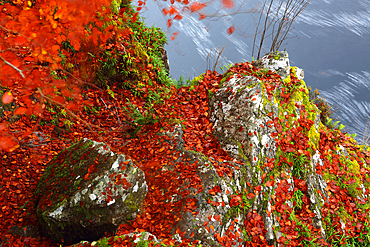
87, 190
259, 199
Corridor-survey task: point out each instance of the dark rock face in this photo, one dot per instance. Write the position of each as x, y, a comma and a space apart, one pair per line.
165, 60
88, 190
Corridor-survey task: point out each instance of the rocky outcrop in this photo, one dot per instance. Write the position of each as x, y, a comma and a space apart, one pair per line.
165, 60
291, 180
246, 122
88, 190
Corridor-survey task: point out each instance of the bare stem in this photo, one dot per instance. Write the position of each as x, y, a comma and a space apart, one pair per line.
11, 65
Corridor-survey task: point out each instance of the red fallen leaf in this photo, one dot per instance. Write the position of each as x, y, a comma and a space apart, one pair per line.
196, 6
228, 3
7, 97
270, 183
20, 40
28, 59
37, 110
110, 198
20, 111
201, 16
134, 17
172, 11
235, 200
3, 126
7, 143
258, 188
250, 195
302, 183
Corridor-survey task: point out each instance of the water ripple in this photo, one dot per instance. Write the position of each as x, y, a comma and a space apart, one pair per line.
197, 31
353, 112
348, 16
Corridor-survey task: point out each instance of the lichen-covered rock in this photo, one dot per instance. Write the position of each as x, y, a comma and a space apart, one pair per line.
246, 123
142, 238
278, 176
215, 203
88, 190
276, 134
275, 61
273, 134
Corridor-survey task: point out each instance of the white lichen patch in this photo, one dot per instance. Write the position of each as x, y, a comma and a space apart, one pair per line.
76, 199
116, 163
123, 197
111, 202
103, 149
58, 212
136, 187
92, 197
226, 108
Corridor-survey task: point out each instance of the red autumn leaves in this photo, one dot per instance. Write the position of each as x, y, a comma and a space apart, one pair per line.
194, 7
28, 59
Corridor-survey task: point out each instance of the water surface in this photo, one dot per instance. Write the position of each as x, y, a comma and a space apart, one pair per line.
332, 46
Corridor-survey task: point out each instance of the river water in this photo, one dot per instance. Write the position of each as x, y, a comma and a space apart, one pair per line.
331, 44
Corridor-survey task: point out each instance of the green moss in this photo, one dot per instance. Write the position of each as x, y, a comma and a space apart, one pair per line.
241, 152
276, 55
225, 77
195, 81
231, 213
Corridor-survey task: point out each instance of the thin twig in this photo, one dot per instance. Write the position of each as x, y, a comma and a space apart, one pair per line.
11, 65
79, 80
218, 58
283, 22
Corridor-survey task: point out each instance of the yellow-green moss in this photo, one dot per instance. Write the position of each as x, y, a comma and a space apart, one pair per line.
195, 81
225, 76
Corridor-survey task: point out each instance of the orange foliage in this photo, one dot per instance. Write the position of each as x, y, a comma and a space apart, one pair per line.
32, 36
228, 3
230, 30
196, 6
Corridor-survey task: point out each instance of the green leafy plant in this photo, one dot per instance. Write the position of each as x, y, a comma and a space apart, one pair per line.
333, 125
139, 119
181, 82
297, 198
68, 123
226, 67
